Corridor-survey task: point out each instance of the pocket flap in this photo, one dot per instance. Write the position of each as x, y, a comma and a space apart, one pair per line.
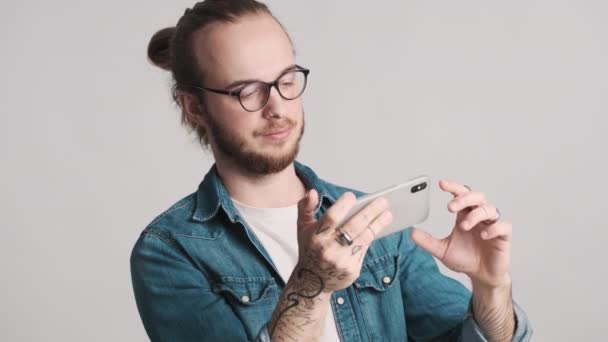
247, 291
379, 273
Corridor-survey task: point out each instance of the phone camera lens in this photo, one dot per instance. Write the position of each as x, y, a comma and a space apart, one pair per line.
418, 187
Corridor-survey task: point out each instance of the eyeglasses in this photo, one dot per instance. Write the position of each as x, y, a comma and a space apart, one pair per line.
254, 96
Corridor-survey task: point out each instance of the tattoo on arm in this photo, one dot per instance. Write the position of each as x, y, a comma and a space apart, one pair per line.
311, 286
497, 322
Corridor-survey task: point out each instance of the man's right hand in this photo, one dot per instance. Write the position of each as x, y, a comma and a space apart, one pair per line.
321, 255
324, 264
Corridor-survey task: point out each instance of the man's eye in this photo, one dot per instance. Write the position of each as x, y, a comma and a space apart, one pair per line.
287, 80
248, 91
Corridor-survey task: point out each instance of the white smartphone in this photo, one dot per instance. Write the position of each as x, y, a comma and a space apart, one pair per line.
409, 203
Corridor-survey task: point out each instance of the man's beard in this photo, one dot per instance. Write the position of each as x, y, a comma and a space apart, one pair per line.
258, 163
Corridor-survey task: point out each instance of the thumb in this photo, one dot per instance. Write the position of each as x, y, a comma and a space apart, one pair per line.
306, 208
426, 241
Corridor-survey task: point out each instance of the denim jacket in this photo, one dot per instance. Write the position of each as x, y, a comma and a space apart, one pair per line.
200, 274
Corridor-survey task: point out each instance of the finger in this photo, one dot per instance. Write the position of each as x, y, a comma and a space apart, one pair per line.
306, 208
356, 224
430, 244
454, 188
362, 242
373, 228
500, 229
479, 214
337, 211
467, 200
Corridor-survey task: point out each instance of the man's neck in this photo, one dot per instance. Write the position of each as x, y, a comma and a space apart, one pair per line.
276, 190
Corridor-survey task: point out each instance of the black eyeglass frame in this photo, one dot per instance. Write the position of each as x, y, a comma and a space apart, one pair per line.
269, 85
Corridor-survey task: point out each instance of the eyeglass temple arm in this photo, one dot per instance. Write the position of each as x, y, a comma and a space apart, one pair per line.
218, 91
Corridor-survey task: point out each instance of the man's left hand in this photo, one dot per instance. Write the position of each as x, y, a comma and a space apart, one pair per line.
479, 244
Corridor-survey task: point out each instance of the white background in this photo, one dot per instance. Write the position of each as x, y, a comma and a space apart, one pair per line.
508, 97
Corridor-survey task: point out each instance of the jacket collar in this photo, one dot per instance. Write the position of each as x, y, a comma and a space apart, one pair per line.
213, 195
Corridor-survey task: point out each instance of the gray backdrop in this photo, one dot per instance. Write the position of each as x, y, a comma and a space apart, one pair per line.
508, 97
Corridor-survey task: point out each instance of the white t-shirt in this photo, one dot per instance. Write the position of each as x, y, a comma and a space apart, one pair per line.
276, 228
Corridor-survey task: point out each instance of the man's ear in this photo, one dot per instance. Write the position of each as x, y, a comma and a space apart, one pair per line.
193, 109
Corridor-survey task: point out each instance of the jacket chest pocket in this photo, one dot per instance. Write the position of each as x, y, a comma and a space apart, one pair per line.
378, 290
252, 299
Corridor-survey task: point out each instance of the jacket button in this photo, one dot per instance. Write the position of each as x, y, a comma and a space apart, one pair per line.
386, 280
245, 299
340, 301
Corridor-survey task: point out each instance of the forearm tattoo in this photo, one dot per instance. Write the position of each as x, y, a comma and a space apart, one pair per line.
298, 307
497, 322
300, 299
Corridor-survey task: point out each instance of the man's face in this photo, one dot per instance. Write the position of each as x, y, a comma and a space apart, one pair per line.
254, 47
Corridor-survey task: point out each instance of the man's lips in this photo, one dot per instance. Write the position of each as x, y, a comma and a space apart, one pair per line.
277, 131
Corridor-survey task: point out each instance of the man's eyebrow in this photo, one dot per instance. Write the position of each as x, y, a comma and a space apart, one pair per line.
243, 82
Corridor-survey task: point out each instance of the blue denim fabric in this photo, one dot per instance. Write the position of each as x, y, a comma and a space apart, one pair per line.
200, 274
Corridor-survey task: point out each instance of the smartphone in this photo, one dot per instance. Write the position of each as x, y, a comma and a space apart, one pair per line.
409, 202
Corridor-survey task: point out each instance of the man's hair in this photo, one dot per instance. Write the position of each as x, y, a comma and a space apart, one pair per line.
172, 49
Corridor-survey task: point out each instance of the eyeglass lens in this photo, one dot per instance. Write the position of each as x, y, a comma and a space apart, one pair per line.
290, 85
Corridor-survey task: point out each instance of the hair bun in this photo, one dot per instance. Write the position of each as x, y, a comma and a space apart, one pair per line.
158, 48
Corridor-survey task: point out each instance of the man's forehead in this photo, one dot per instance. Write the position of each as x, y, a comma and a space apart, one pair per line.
252, 47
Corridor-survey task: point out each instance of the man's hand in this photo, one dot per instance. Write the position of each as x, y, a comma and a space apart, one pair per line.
324, 263
478, 246
319, 244
479, 250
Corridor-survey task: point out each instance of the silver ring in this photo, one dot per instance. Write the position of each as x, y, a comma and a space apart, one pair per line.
344, 238
371, 230
490, 222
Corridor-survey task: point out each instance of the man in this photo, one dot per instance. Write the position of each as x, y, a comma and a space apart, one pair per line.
254, 253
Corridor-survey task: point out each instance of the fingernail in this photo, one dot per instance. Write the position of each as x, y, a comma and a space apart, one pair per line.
484, 235
465, 225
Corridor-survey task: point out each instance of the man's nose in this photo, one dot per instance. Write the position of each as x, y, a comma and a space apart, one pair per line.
275, 107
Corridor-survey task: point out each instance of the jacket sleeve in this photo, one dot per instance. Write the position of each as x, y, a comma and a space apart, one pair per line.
175, 300
437, 307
